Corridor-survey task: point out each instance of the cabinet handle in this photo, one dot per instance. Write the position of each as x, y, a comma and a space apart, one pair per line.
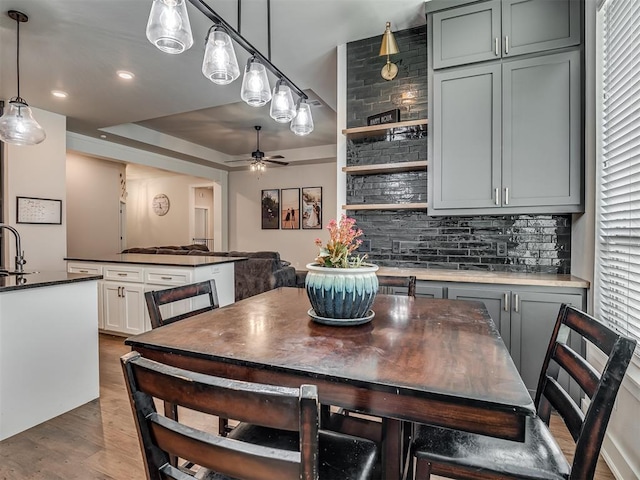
516, 301
506, 44
497, 195
122, 292
506, 301
119, 292
497, 46
506, 195
83, 271
122, 274
166, 278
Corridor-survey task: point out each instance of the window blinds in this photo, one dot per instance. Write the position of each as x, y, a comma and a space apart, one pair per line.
618, 218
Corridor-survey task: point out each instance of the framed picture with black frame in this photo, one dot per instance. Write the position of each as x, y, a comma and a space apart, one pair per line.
312, 208
290, 208
45, 211
270, 207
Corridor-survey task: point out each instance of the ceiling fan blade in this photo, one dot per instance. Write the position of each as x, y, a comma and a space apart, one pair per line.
275, 161
272, 157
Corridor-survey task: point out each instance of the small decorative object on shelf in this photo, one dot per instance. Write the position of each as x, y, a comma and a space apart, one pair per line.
392, 116
340, 285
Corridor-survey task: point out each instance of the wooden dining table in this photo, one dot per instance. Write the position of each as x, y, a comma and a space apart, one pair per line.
433, 361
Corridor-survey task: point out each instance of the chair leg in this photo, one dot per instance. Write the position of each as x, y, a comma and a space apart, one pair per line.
423, 469
223, 427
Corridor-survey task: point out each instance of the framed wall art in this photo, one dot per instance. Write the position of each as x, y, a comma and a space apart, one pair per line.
270, 202
290, 208
312, 208
44, 211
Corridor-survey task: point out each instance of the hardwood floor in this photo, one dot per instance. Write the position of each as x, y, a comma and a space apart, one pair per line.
98, 441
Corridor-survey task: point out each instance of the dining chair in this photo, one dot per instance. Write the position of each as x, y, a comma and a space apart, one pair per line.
408, 282
281, 439
158, 298
462, 455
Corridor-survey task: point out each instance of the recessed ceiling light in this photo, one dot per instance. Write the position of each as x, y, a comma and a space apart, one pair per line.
125, 75
59, 94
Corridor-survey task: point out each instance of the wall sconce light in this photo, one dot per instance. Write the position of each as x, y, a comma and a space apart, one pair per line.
388, 47
169, 29
17, 125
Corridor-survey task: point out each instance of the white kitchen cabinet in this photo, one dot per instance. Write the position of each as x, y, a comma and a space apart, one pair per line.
122, 307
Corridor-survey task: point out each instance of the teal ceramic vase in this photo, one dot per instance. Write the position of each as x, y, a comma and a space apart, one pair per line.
341, 293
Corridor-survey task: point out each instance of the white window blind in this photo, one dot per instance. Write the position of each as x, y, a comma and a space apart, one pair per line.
618, 218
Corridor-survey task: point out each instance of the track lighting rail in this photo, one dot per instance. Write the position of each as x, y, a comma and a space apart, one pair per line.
240, 40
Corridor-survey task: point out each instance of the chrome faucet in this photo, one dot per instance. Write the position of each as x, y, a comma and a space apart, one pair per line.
20, 261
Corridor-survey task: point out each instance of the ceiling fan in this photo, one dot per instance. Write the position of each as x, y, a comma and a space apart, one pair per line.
258, 157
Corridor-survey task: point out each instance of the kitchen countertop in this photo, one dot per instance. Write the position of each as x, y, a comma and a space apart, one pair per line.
475, 276
42, 279
155, 259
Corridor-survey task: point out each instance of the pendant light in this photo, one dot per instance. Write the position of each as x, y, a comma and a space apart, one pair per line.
17, 125
282, 107
302, 123
168, 27
220, 64
388, 47
255, 84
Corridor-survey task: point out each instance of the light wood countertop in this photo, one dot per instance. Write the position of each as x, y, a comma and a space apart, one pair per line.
474, 276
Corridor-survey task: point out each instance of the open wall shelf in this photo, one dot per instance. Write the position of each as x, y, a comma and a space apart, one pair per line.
386, 206
386, 168
372, 130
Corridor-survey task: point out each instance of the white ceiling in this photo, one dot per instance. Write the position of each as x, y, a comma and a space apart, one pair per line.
170, 107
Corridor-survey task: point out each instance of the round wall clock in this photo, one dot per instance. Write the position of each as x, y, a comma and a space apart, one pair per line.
160, 204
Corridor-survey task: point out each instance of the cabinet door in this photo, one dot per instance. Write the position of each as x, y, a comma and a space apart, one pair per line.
133, 308
497, 303
467, 138
425, 290
532, 319
536, 25
541, 136
112, 307
466, 35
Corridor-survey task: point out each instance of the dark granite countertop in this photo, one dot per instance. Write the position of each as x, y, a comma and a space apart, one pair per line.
154, 259
42, 279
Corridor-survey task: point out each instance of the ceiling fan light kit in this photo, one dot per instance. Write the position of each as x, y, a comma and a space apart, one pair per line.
168, 27
169, 30
17, 125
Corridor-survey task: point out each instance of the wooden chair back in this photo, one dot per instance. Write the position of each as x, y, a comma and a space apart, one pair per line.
292, 409
155, 299
408, 282
588, 429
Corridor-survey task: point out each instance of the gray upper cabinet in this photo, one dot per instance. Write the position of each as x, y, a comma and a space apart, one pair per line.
466, 135
506, 136
499, 29
466, 34
541, 131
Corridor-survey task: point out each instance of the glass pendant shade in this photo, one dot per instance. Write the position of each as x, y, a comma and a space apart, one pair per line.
302, 124
220, 64
255, 84
283, 109
168, 27
17, 125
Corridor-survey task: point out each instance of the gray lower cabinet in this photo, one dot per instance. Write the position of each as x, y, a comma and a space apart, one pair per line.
524, 316
503, 28
427, 290
506, 137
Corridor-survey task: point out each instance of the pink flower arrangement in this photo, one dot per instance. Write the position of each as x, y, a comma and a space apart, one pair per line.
343, 240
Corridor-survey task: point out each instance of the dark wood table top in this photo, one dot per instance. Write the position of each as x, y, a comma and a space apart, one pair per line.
443, 350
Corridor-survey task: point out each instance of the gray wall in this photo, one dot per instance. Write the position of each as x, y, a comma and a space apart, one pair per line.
535, 243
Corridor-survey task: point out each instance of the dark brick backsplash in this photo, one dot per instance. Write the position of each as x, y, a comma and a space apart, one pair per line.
535, 243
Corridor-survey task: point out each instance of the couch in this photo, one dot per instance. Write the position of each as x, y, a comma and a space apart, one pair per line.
262, 271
